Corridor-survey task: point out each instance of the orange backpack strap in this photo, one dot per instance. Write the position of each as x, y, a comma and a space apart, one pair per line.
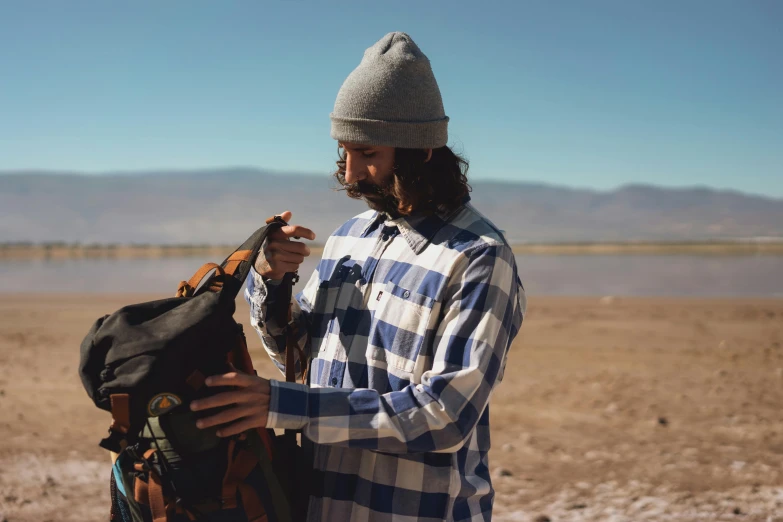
186, 288
238, 469
233, 261
240, 357
157, 501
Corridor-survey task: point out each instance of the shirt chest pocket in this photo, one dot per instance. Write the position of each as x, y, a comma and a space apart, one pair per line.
399, 328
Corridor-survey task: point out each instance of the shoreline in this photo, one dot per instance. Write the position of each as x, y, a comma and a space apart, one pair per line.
17, 251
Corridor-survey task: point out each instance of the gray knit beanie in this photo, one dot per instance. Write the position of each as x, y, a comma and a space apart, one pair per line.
391, 99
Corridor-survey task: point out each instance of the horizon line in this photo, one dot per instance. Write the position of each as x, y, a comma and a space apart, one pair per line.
277, 172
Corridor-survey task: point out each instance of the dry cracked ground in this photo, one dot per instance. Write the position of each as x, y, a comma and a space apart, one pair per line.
612, 409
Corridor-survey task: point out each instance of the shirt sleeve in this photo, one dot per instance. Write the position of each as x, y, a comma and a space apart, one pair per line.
482, 313
264, 299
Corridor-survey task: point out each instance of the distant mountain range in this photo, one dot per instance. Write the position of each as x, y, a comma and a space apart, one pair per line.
226, 205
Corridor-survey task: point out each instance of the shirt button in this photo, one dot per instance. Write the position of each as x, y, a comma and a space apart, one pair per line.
334, 381
406, 294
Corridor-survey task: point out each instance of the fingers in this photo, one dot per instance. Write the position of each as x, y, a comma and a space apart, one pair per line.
287, 215
250, 403
231, 379
293, 247
221, 399
298, 231
295, 231
248, 423
229, 415
284, 257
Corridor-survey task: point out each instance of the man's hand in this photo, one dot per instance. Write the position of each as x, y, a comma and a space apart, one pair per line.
250, 403
280, 254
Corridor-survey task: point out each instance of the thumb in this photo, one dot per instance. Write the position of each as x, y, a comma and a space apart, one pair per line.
287, 215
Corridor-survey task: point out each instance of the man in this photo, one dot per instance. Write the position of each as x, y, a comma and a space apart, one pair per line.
407, 319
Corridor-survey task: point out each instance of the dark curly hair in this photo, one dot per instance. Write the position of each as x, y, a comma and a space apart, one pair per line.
439, 185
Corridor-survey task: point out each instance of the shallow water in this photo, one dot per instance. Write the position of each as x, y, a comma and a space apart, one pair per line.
630, 275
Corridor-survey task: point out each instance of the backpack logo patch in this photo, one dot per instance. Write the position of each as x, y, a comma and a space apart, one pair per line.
163, 403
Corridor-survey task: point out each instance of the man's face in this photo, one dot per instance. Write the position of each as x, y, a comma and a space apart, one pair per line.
371, 169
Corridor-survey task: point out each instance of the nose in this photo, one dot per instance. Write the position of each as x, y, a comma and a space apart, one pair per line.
353, 170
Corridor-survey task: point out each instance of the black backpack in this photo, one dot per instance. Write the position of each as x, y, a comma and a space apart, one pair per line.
145, 363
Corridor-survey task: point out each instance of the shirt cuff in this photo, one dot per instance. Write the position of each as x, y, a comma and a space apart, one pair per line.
264, 296
288, 405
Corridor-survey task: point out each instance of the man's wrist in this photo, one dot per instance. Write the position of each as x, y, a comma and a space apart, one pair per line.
288, 405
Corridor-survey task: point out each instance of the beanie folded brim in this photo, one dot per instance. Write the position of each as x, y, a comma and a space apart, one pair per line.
403, 134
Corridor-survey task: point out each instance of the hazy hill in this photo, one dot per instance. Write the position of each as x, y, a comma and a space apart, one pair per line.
225, 205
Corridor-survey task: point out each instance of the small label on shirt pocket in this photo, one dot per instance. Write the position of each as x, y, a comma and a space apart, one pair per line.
399, 327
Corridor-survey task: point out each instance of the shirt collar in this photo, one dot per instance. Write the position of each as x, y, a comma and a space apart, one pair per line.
418, 229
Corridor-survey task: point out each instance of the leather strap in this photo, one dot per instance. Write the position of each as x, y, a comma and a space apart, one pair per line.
254, 510
120, 412
196, 380
291, 346
229, 492
187, 288
232, 263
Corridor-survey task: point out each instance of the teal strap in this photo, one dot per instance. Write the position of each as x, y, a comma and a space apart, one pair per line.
121, 465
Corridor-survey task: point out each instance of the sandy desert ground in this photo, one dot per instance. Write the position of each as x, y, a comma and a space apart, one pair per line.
612, 409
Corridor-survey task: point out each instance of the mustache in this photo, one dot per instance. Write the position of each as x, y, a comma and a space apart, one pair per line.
368, 189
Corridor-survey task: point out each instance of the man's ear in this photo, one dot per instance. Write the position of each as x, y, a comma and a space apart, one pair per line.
429, 155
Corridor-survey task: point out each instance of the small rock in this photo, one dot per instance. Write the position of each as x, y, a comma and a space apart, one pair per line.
577, 506
542, 518
2, 393
607, 300
737, 465
779, 372
502, 472
663, 421
721, 373
526, 438
507, 447
611, 407
737, 511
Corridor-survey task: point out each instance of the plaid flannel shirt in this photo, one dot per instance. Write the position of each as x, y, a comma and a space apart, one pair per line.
408, 323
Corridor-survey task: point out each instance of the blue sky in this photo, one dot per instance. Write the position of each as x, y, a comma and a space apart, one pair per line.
588, 94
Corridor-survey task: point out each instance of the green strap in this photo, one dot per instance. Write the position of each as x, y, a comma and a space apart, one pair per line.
282, 509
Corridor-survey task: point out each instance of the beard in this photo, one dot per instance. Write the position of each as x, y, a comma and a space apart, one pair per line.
379, 197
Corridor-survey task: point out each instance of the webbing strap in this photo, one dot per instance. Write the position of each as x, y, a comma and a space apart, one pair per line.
141, 492
239, 467
157, 502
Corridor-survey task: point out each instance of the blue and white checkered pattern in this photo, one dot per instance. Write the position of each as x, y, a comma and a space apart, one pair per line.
408, 323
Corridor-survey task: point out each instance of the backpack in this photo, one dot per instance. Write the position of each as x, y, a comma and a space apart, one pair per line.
146, 362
